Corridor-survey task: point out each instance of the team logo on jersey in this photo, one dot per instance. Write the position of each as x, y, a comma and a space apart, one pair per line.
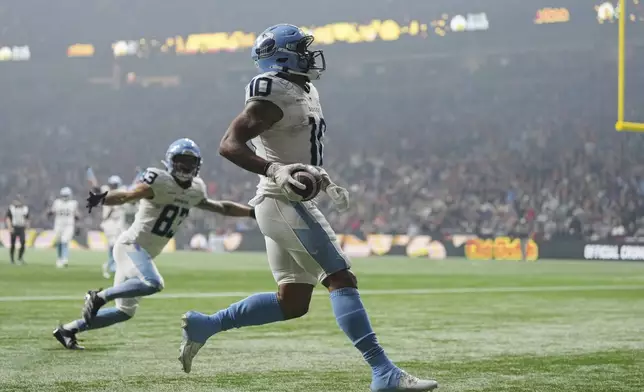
265, 45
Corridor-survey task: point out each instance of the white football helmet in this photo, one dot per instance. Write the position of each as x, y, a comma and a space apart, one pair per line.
114, 182
66, 192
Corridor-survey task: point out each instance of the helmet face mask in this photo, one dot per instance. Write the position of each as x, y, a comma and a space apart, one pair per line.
185, 167
308, 60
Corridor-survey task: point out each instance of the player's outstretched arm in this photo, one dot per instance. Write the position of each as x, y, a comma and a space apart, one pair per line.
257, 117
118, 197
228, 208
122, 196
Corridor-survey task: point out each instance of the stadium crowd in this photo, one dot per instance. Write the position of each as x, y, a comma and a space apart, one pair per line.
493, 145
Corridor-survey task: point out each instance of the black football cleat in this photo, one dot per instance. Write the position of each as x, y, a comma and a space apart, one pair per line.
67, 338
92, 304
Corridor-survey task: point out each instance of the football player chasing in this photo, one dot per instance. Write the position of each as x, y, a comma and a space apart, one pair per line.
65, 213
166, 197
283, 119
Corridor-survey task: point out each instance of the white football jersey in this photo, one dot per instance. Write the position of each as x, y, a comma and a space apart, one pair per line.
299, 136
64, 212
159, 218
113, 220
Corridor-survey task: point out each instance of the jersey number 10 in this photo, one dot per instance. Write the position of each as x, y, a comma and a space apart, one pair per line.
317, 146
163, 226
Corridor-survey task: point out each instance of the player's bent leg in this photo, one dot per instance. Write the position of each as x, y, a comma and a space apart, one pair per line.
291, 301
138, 277
322, 254
124, 310
104, 318
258, 309
66, 334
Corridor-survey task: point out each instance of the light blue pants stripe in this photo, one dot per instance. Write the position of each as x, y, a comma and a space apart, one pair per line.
143, 263
317, 242
111, 264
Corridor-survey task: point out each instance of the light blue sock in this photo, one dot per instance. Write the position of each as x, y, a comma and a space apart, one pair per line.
258, 309
104, 318
354, 321
59, 250
131, 288
64, 249
111, 265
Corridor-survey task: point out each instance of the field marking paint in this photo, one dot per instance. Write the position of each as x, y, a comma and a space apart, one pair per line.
463, 290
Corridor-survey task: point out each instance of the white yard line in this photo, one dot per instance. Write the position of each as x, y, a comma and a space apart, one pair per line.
464, 290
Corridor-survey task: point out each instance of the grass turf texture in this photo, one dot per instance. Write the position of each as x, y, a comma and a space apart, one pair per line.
474, 326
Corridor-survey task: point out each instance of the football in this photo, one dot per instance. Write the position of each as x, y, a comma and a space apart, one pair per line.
311, 181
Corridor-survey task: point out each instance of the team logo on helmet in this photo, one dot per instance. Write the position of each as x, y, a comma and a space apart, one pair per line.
265, 45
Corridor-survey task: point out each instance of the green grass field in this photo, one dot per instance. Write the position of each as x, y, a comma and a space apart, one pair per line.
474, 326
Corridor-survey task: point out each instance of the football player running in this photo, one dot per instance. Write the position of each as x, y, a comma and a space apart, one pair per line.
113, 225
65, 213
166, 197
283, 119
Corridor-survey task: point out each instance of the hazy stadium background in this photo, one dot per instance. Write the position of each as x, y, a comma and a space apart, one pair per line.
445, 118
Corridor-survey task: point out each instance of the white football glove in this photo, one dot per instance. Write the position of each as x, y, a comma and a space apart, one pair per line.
339, 196
281, 174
